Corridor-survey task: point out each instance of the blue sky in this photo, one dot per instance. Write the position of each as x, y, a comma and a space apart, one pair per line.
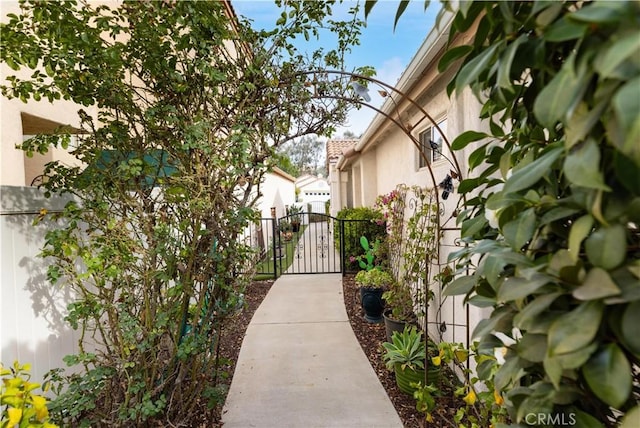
387, 51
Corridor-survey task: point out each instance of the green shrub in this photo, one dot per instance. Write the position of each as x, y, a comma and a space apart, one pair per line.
361, 221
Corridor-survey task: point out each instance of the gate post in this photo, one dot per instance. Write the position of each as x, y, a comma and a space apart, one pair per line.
343, 263
273, 248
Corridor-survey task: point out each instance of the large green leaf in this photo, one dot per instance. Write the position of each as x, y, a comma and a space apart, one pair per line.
510, 371
500, 320
368, 5
515, 288
618, 52
519, 231
528, 314
608, 374
401, 8
460, 286
478, 65
575, 329
597, 284
632, 418
563, 30
465, 138
579, 230
626, 105
506, 60
628, 172
557, 100
584, 420
472, 226
532, 347
530, 174
629, 327
582, 166
600, 12
607, 246
582, 121
556, 364
453, 55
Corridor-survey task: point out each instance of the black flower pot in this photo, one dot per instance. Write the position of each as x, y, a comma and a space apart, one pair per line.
392, 325
372, 304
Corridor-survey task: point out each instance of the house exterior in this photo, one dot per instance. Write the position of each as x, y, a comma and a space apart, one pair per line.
341, 194
312, 193
278, 192
387, 156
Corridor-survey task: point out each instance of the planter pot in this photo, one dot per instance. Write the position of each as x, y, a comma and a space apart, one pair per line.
392, 325
405, 377
372, 304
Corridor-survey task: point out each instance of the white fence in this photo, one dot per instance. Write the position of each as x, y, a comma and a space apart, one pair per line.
32, 327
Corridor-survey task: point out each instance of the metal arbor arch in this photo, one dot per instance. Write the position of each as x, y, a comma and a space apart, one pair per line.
396, 96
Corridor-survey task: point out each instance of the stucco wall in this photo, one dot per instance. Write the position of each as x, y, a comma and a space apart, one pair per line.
278, 192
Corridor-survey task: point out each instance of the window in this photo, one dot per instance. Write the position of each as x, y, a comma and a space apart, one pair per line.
431, 144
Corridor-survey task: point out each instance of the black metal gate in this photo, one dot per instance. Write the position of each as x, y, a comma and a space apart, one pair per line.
308, 243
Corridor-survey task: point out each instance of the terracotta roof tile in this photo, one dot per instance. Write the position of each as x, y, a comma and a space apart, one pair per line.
335, 148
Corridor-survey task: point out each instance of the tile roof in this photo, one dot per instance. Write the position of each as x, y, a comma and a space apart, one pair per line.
335, 148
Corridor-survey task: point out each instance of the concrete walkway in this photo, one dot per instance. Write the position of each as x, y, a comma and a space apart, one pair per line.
301, 366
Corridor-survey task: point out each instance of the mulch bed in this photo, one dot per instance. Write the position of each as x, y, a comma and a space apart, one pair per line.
371, 337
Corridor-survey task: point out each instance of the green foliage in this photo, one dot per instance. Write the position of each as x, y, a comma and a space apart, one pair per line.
367, 260
373, 278
182, 110
407, 348
411, 215
361, 221
19, 405
552, 227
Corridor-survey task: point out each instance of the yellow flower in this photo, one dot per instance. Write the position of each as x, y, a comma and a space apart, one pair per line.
498, 397
436, 361
40, 405
470, 398
429, 418
15, 415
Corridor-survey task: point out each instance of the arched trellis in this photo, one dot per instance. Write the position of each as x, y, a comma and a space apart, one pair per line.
357, 83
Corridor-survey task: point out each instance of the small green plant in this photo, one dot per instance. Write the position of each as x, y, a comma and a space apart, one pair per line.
20, 405
480, 403
367, 261
406, 348
374, 278
398, 298
285, 226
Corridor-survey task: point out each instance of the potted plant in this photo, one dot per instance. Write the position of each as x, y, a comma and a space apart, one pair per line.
405, 355
285, 230
399, 308
372, 284
295, 214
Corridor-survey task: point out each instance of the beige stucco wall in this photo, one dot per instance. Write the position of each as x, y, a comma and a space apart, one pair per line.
278, 192
15, 168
